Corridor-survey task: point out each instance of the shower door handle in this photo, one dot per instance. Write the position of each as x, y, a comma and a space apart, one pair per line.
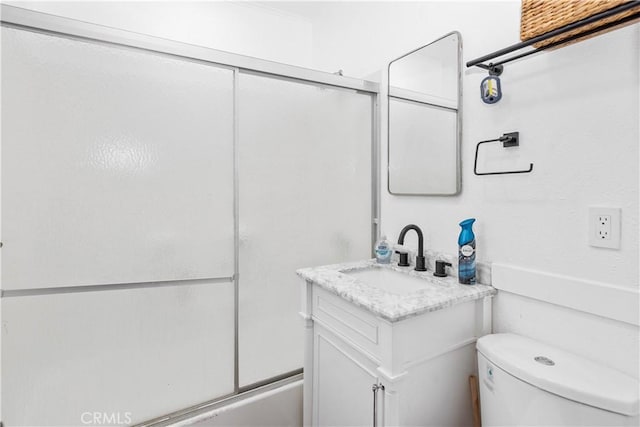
375, 389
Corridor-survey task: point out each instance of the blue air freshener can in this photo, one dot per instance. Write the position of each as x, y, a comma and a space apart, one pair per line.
467, 253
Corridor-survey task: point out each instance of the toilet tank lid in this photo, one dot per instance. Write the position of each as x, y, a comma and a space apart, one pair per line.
570, 376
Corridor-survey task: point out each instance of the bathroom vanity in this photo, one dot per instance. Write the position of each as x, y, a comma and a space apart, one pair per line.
389, 346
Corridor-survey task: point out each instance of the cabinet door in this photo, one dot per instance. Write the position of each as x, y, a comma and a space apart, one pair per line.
343, 380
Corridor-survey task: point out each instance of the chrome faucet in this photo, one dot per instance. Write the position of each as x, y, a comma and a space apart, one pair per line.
404, 257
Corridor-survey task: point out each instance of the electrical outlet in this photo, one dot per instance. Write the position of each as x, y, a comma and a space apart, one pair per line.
604, 227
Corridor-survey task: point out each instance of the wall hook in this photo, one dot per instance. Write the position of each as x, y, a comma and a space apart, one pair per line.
511, 139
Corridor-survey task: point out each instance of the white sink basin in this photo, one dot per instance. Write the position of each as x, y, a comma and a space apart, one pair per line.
389, 280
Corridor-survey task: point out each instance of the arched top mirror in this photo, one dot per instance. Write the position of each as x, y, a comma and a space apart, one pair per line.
424, 121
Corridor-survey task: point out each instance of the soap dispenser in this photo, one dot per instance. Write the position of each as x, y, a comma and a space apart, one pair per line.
383, 250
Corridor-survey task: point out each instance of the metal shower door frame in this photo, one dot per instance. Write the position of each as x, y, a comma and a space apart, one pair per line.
24, 19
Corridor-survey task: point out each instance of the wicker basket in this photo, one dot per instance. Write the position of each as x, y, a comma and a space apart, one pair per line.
541, 16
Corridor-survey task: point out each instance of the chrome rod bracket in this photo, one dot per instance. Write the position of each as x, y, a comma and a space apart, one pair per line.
375, 388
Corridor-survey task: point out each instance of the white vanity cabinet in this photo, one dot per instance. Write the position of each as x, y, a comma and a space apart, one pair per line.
419, 362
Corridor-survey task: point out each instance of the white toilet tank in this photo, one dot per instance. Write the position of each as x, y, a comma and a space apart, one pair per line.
527, 383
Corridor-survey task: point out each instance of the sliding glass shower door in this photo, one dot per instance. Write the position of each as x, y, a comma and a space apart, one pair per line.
305, 198
154, 209
117, 209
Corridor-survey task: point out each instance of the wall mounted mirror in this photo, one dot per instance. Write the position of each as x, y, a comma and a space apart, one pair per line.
424, 121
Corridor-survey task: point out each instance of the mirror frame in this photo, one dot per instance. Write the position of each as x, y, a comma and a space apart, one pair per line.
458, 121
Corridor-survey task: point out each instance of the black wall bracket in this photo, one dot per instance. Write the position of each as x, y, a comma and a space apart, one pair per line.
510, 139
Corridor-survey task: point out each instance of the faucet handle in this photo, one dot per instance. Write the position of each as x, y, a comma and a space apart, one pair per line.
404, 252
440, 268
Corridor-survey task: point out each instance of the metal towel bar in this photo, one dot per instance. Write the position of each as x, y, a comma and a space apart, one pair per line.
511, 139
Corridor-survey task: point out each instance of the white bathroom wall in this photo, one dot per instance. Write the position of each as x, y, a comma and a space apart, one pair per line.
241, 27
577, 112
576, 109
361, 37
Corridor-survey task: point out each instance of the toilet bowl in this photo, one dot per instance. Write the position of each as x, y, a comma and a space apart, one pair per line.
527, 383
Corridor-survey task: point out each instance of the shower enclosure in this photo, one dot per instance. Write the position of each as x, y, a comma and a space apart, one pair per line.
156, 201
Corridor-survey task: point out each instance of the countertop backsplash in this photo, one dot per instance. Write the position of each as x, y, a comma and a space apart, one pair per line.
483, 268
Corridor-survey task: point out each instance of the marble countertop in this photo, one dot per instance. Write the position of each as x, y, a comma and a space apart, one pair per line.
437, 294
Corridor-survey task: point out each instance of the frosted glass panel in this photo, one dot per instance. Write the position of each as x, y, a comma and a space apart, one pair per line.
117, 165
143, 352
425, 147
305, 199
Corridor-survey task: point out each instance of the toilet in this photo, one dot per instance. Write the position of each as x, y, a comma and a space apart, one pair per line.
527, 383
